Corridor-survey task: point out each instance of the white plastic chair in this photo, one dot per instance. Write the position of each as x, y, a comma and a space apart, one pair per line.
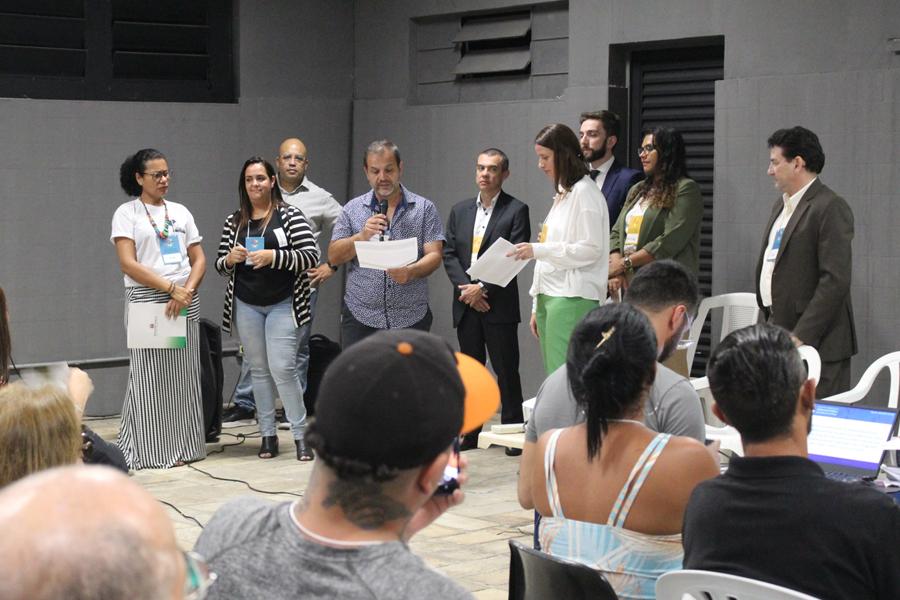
738, 310
707, 585
891, 362
813, 362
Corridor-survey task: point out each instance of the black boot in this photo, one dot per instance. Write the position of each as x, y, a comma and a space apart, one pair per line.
269, 447
304, 453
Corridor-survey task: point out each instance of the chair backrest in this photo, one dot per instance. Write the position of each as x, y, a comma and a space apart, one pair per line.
813, 362
891, 362
707, 585
535, 575
738, 310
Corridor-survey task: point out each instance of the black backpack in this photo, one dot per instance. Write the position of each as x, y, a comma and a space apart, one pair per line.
211, 378
321, 352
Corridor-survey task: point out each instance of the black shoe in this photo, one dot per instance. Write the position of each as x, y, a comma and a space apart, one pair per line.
238, 413
513, 451
304, 453
269, 447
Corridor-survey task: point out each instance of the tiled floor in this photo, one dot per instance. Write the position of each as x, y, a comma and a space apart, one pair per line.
468, 543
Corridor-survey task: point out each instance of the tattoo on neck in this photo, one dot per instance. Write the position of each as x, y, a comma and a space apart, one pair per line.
364, 503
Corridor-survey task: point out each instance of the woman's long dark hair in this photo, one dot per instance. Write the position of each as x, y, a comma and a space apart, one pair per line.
611, 365
661, 186
568, 162
246, 209
136, 163
5, 344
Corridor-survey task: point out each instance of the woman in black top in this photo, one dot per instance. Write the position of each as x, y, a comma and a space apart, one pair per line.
266, 248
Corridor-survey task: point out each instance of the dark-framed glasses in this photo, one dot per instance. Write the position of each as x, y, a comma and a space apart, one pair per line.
648, 148
199, 577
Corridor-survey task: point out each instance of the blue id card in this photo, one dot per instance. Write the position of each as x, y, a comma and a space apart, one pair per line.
772, 253
254, 243
170, 248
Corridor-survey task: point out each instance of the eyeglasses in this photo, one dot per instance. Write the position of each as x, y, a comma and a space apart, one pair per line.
646, 149
158, 175
199, 577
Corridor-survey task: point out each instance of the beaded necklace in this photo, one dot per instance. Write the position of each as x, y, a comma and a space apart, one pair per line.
165, 232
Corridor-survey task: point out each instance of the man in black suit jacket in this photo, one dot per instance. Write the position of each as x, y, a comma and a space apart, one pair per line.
805, 266
487, 315
599, 135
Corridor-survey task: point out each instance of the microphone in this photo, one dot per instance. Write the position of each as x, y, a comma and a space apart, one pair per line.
382, 210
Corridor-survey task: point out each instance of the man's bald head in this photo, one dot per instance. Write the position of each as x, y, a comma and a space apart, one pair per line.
292, 162
86, 532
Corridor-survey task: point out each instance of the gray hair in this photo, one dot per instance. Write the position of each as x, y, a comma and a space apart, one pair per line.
379, 146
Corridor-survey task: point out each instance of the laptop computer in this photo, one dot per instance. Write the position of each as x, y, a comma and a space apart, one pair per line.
848, 441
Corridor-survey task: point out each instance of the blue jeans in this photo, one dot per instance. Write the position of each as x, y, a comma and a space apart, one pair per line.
270, 346
243, 393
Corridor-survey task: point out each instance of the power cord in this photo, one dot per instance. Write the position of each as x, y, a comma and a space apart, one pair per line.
188, 517
211, 476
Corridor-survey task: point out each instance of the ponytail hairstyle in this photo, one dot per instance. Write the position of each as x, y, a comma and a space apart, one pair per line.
135, 164
611, 365
5, 344
245, 212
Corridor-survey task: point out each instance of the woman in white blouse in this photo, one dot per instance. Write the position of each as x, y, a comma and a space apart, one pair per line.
572, 248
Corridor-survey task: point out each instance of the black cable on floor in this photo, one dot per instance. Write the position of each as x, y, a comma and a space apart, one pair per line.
188, 517
211, 476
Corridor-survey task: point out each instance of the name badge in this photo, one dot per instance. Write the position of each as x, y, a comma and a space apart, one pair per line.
170, 249
772, 253
282, 238
254, 243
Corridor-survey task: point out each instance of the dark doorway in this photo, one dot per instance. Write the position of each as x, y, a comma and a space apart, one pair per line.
673, 84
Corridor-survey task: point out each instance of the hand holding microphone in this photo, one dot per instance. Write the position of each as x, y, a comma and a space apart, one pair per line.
376, 224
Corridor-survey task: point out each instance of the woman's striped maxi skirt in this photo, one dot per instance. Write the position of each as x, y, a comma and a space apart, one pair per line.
162, 418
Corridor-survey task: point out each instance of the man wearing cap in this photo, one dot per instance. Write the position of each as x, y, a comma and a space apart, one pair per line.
388, 411
396, 298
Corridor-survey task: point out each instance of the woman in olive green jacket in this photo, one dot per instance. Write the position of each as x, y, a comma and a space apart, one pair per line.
661, 216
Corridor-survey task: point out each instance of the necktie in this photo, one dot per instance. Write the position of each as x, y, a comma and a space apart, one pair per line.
594, 173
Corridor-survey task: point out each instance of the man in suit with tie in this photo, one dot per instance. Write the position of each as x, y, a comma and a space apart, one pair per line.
487, 315
804, 270
599, 135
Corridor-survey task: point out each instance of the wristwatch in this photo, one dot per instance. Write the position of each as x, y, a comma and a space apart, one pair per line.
627, 262
332, 267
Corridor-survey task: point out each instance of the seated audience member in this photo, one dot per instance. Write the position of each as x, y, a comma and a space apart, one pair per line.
666, 292
85, 533
614, 492
388, 410
774, 516
39, 429
32, 453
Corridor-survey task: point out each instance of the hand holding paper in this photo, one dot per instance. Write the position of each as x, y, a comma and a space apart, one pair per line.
387, 255
496, 265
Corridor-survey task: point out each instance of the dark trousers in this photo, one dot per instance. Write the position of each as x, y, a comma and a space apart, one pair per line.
835, 378
353, 331
475, 334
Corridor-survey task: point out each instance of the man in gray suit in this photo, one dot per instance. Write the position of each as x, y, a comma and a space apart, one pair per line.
805, 265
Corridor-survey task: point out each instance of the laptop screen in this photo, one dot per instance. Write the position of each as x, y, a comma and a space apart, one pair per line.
849, 436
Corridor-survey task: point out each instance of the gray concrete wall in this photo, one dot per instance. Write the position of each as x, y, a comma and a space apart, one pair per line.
822, 64
59, 174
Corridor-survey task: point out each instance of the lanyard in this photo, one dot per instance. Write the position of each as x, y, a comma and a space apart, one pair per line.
165, 232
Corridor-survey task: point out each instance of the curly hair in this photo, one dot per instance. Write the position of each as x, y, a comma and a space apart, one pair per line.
135, 164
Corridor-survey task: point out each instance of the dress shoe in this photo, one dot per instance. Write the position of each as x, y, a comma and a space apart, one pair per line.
304, 452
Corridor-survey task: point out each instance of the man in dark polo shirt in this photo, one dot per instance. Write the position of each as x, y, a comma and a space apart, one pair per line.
774, 516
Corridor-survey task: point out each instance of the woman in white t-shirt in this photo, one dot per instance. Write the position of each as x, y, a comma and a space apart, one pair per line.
159, 252
572, 247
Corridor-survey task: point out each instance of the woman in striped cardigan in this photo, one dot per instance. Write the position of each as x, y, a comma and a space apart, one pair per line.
266, 248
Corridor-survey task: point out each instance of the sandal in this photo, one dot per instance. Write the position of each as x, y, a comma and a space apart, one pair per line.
269, 447
304, 453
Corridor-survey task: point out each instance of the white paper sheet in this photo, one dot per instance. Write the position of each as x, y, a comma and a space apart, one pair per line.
149, 327
494, 266
387, 255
